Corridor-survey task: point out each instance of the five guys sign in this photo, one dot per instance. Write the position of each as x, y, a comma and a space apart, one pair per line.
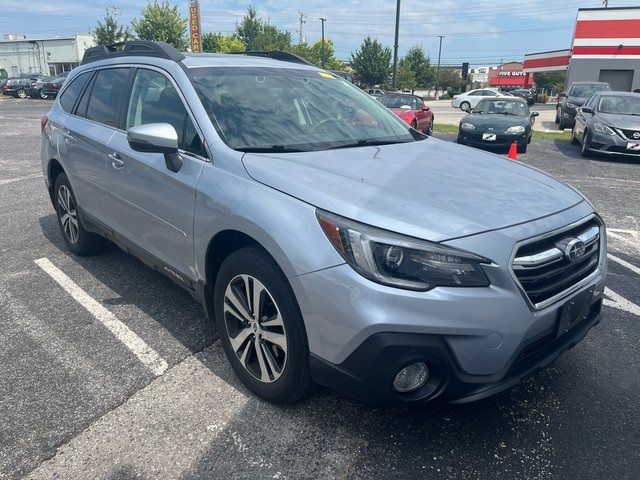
194, 26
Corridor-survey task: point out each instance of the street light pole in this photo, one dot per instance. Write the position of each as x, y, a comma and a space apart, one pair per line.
395, 45
438, 69
323, 20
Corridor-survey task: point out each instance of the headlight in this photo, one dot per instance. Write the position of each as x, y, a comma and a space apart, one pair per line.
516, 129
467, 126
393, 259
600, 128
571, 105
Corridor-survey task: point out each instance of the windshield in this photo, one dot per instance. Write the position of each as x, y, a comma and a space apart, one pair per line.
292, 110
399, 101
587, 90
502, 107
621, 105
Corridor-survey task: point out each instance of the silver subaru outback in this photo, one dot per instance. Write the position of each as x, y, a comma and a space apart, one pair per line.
331, 243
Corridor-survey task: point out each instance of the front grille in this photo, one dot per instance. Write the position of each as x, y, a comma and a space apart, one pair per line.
629, 134
543, 269
622, 150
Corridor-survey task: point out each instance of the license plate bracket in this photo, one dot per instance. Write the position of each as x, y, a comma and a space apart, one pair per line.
489, 137
574, 311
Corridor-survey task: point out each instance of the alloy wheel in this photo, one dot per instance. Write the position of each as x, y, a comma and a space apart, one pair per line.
255, 328
43, 95
22, 94
68, 214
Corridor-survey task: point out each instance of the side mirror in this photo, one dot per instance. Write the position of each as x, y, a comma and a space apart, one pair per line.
535, 114
465, 108
586, 110
157, 138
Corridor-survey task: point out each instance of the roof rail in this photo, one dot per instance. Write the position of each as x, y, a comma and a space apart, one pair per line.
140, 48
278, 55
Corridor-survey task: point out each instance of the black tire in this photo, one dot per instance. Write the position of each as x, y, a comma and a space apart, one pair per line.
586, 141
467, 104
460, 141
43, 95
557, 116
522, 148
22, 93
429, 129
414, 125
84, 243
295, 380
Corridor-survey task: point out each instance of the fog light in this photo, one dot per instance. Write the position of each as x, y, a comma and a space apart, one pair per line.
411, 378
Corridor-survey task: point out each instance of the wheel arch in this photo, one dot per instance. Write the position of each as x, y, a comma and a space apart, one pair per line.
54, 168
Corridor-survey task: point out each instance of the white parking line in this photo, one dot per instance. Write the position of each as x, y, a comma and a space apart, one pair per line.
138, 347
19, 179
624, 263
620, 302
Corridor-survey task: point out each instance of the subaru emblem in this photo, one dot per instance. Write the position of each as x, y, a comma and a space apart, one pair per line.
574, 249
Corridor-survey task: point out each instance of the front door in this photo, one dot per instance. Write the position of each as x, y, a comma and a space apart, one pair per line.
155, 206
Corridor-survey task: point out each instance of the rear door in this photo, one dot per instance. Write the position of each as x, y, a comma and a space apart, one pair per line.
154, 207
86, 132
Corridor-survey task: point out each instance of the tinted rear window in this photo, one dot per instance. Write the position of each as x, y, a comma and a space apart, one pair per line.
70, 95
106, 94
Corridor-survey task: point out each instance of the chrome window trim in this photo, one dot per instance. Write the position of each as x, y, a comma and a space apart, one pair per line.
574, 288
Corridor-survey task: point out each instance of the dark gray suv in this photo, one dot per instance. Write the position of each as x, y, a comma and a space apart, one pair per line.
329, 241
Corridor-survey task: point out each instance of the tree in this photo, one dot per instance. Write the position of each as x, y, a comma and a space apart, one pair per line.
249, 28
450, 78
108, 31
406, 79
161, 22
420, 65
550, 80
330, 61
219, 43
372, 62
271, 38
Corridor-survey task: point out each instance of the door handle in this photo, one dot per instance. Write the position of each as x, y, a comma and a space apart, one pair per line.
116, 160
67, 137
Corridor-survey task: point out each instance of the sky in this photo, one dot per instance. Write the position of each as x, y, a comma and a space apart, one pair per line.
480, 32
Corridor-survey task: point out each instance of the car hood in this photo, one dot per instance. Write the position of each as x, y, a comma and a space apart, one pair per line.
626, 122
498, 122
429, 189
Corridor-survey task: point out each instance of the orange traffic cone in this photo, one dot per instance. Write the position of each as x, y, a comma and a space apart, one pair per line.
513, 151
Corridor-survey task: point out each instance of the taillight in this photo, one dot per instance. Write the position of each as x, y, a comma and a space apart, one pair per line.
56, 86
43, 122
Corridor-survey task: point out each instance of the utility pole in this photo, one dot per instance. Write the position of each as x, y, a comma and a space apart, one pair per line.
438, 69
395, 45
323, 20
303, 20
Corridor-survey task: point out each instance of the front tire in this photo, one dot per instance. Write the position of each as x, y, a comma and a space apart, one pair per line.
80, 241
43, 95
465, 109
261, 327
585, 150
22, 93
574, 139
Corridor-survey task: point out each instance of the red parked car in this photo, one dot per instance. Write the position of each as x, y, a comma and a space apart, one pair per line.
411, 109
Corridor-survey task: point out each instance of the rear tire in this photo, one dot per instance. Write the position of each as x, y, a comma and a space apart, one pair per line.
253, 355
80, 241
43, 96
21, 93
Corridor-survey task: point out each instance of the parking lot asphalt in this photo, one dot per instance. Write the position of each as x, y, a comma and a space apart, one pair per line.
76, 403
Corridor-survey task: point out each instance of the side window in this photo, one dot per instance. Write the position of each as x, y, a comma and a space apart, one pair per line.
70, 94
489, 93
477, 93
154, 99
105, 96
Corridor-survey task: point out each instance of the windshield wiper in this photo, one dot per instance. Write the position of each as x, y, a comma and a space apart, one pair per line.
367, 142
271, 149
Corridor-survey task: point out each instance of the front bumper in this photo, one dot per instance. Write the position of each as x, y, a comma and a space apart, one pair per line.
503, 140
611, 144
472, 338
369, 372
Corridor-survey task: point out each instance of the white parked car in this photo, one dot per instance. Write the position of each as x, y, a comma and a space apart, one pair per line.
376, 92
471, 98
